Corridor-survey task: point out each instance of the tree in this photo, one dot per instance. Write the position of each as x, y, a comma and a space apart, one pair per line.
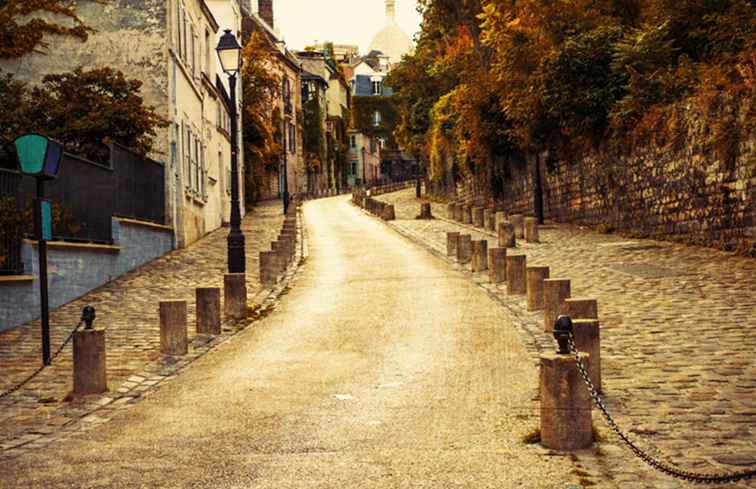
261, 123
22, 29
84, 110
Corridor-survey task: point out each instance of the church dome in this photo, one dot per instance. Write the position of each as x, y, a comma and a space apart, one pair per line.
392, 40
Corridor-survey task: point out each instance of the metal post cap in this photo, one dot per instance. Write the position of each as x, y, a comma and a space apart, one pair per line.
88, 315
562, 333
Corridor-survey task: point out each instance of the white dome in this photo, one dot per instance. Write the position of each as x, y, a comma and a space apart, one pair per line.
392, 40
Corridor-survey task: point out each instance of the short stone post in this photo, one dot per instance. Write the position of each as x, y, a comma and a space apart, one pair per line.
425, 211
497, 265
580, 308
89, 362
452, 244
478, 217
450, 210
491, 226
464, 249
535, 278
531, 230
488, 217
518, 221
506, 235
173, 328
389, 214
499, 217
467, 215
479, 256
555, 292
516, 284
208, 310
566, 422
268, 268
235, 295
588, 340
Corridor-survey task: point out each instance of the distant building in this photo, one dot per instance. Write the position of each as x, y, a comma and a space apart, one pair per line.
170, 47
287, 108
392, 40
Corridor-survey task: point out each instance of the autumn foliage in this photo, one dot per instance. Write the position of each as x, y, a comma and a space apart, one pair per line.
493, 80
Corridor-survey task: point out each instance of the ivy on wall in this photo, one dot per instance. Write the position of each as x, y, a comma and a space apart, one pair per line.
363, 117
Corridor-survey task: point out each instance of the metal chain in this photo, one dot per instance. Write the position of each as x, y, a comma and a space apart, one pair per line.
698, 478
40, 369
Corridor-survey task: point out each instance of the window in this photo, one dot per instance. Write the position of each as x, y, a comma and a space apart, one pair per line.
353, 142
208, 55
292, 137
377, 87
182, 31
376, 118
353, 168
372, 145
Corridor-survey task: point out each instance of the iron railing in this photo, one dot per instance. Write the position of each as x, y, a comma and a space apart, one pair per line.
10, 234
140, 185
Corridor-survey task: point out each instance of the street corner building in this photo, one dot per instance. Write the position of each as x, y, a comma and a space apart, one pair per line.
170, 47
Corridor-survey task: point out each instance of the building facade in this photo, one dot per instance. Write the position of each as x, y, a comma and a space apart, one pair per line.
170, 47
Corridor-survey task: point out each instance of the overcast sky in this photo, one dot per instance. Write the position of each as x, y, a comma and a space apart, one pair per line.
302, 22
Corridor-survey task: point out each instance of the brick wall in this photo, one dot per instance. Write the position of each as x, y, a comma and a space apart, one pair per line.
689, 195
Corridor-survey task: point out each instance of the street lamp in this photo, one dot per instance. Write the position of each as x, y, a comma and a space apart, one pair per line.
229, 54
286, 91
364, 178
39, 157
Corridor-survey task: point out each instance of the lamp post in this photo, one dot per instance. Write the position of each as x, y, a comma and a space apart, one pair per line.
229, 54
286, 91
364, 172
39, 157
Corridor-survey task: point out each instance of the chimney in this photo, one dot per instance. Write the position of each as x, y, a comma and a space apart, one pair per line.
390, 9
265, 11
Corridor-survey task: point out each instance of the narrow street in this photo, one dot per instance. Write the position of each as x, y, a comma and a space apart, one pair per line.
380, 368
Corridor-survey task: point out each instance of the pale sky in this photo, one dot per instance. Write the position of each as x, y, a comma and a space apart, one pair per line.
302, 22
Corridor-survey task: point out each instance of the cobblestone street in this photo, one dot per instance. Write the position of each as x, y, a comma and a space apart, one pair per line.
678, 335
128, 309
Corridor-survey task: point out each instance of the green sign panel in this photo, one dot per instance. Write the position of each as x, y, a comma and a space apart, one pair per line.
46, 208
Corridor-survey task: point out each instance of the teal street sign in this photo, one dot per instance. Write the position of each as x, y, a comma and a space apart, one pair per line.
46, 215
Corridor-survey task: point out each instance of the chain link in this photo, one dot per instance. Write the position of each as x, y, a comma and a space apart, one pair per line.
40, 369
697, 478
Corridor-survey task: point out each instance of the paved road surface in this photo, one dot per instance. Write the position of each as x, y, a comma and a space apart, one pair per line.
380, 369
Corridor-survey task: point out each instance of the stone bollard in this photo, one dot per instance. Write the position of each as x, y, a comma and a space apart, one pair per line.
488, 218
450, 210
518, 221
425, 211
479, 256
235, 295
516, 265
580, 308
269, 266
89, 360
477, 214
588, 340
208, 310
555, 292
467, 215
536, 276
497, 265
452, 244
492, 223
506, 235
531, 230
388, 214
498, 218
173, 328
457, 215
566, 422
464, 249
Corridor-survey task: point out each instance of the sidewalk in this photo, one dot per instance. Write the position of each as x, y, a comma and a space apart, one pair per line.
678, 339
128, 309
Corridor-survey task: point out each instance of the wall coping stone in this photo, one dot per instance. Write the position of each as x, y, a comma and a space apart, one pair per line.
77, 246
148, 224
13, 279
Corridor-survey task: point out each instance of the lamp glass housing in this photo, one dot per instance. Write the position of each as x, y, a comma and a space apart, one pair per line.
38, 156
229, 53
